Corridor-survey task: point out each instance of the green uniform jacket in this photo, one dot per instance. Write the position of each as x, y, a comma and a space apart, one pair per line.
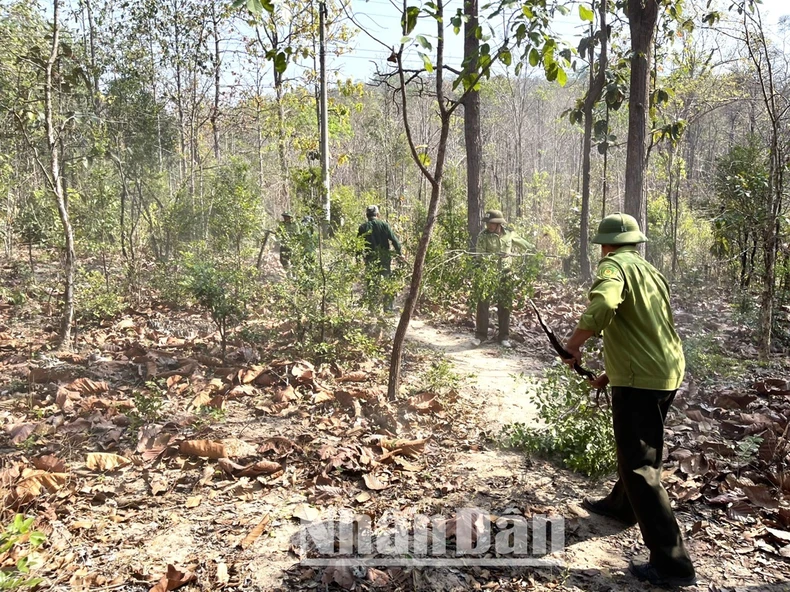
378, 235
491, 242
629, 303
287, 231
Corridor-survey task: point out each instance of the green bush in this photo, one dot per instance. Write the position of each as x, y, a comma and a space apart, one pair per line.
453, 275
222, 288
96, 298
23, 540
320, 297
573, 428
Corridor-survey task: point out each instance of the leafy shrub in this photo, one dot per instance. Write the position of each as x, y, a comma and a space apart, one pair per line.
222, 288
148, 405
440, 377
96, 299
574, 429
23, 540
320, 300
452, 275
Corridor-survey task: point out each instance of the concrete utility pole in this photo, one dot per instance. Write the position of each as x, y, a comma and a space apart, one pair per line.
324, 112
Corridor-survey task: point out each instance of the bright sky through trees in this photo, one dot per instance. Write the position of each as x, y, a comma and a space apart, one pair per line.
381, 19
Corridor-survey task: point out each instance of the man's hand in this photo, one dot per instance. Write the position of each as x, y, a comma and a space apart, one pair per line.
576, 353
600, 382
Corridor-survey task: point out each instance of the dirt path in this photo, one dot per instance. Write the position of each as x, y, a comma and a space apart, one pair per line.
597, 550
499, 479
492, 370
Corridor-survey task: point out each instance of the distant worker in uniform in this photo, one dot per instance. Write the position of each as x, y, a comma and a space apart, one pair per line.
308, 238
497, 241
643, 357
378, 257
287, 232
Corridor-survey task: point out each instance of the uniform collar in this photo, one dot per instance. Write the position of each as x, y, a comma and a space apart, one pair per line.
623, 249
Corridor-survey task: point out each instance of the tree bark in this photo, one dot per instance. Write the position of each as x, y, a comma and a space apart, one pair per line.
435, 181
772, 208
56, 180
642, 18
217, 63
472, 136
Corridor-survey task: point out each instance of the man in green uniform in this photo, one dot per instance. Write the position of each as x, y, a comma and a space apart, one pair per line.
643, 356
497, 241
287, 232
378, 257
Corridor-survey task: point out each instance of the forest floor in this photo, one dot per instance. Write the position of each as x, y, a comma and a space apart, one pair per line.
152, 464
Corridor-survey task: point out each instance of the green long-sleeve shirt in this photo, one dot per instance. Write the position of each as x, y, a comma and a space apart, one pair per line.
378, 235
629, 303
491, 242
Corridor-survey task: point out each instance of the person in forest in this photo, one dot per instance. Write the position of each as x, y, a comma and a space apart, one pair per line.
643, 358
496, 240
308, 238
378, 256
287, 232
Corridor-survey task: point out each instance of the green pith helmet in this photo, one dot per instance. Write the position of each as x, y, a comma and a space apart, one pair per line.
619, 229
495, 217
287, 215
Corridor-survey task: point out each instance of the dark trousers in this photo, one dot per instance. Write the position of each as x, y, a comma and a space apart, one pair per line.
378, 294
503, 318
503, 296
638, 495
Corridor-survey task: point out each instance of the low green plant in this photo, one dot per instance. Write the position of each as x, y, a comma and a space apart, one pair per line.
440, 377
148, 405
748, 449
574, 429
222, 288
320, 299
23, 540
96, 299
706, 360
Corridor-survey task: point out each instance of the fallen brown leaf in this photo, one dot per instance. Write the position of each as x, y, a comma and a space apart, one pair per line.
34, 482
49, 463
173, 579
425, 402
21, 432
358, 376
256, 532
371, 482
194, 501
263, 467
105, 461
205, 448
222, 573
305, 512
86, 386
407, 447
340, 575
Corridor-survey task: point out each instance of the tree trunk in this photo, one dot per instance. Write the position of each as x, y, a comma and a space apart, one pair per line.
597, 81
278, 95
419, 262
56, 180
642, 18
217, 63
472, 137
435, 181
